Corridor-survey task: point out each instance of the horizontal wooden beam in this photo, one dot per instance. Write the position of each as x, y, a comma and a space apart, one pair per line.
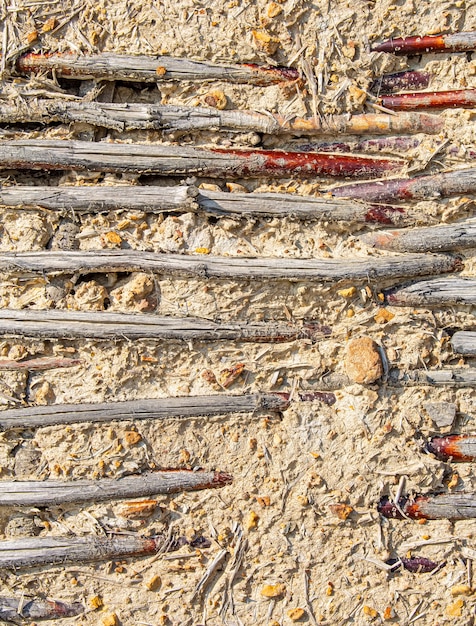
57, 492
205, 266
134, 116
55, 323
172, 160
445, 238
439, 291
156, 409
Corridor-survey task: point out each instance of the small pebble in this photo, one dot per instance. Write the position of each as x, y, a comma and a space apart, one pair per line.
273, 591
363, 363
442, 413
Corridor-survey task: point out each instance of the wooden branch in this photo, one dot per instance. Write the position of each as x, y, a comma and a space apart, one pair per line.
185, 160
205, 266
453, 42
37, 551
451, 506
454, 448
123, 117
459, 98
441, 291
17, 611
457, 236
150, 69
375, 145
444, 185
157, 409
464, 342
154, 199
54, 323
57, 492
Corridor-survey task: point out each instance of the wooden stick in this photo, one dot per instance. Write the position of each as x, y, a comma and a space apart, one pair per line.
37, 551
123, 117
408, 79
461, 98
17, 611
185, 160
108, 325
441, 291
375, 145
369, 268
454, 448
445, 185
157, 409
451, 506
456, 236
456, 42
57, 492
154, 199
464, 342
150, 69
39, 364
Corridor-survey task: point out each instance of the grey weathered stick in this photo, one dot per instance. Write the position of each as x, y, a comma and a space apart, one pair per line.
37, 551
123, 117
157, 409
171, 160
107, 325
443, 185
150, 69
439, 291
369, 268
155, 199
451, 506
433, 239
464, 342
18, 611
57, 492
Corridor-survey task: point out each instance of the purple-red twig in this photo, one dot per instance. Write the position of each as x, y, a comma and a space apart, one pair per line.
459, 98
457, 42
408, 79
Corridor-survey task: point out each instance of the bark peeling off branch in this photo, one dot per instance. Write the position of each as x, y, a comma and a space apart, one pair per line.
17, 611
124, 117
150, 69
370, 268
57, 492
109, 325
439, 291
156, 199
158, 409
185, 160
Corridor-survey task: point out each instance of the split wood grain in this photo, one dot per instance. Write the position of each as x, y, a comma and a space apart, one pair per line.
157, 409
464, 342
439, 291
57, 492
444, 185
172, 160
205, 266
155, 199
38, 364
150, 69
64, 324
133, 116
31, 552
458, 236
